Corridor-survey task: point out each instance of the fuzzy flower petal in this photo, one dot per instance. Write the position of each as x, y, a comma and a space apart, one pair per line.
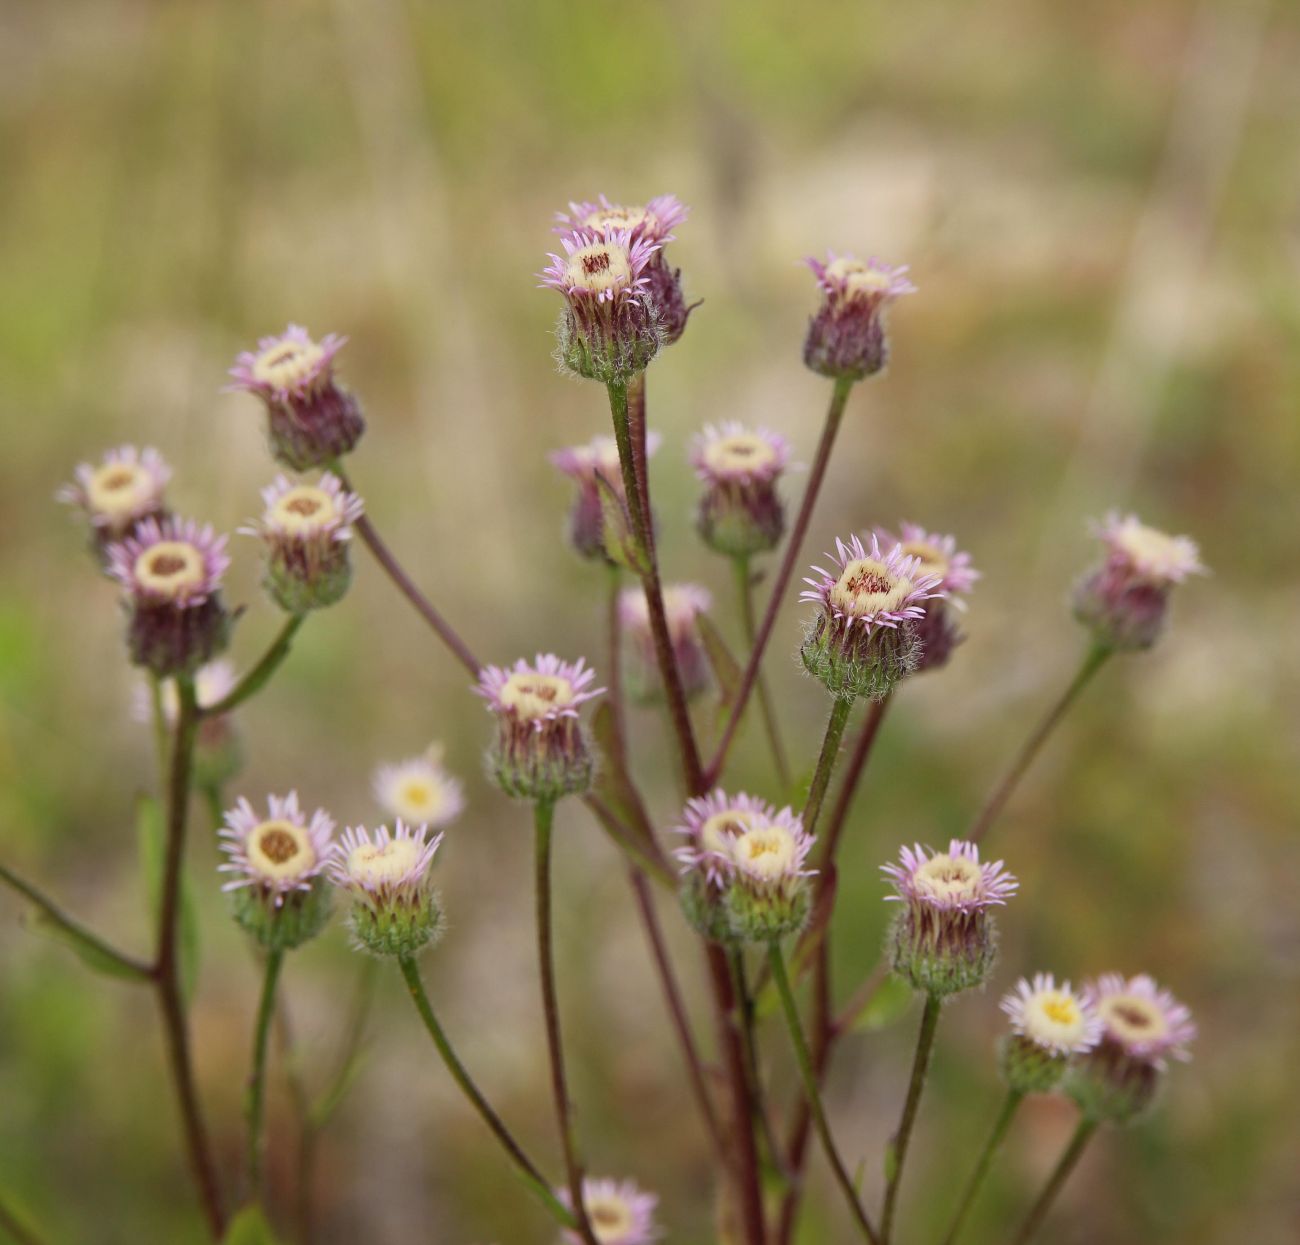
175, 562
278, 853
1142, 1018
949, 881
1053, 1017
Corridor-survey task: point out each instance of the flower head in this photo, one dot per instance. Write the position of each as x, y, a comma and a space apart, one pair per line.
620, 1212
276, 862
420, 790
683, 604
123, 489
312, 419
1049, 1024
307, 529
846, 337
594, 466
395, 909
863, 639
740, 513
944, 938
541, 750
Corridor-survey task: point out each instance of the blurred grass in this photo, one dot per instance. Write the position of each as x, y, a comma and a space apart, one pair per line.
1100, 207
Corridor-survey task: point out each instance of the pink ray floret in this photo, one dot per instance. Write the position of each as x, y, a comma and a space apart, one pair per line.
124, 558
304, 380
661, 215
918, 878
243, 820
762, 470
898, 566
1029, 1019
636, 250
576, 674
1166, 1028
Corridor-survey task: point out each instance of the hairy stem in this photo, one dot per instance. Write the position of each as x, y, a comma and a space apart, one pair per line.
1000, 1126
256, 1107
745, 587
896, 1153
749, 1040
257, 677
835, 725
1060, 1173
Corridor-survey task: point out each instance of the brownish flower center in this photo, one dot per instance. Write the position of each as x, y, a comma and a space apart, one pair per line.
278, 845
868, 581
116, 480
167, 564
592, 264
1132, 1016
303, 505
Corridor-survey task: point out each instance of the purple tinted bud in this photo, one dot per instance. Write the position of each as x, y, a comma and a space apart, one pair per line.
846, 336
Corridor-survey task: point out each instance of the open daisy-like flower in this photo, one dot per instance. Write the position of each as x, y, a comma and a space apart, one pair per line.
586, 465
654, 220
731, 453
740, 512
950, 881
620, 1212
287, 366
1142, 1018
124, 488
420, 790
683, 604
1052, 1017
846, 337
600, 265
710, 823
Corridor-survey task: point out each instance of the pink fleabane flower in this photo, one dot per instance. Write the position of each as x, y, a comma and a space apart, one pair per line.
740, 513
587, 465
541, 750
1147, 553
1053, 1017
710, 823
683, 604
620, 1212
420, 790
846, 337
123, 489
731, 453
602, 266
951, 881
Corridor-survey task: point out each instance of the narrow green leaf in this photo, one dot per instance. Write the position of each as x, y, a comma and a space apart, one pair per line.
620, 540
726, 670
888, 1005
86, 948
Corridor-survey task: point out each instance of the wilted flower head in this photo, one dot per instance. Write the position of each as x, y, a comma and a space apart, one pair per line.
609, 330
420, 790
276, 862
541, 750
683, 604
846, 337
944, 939
307, 529
217, 754
585, 465
740, 513
395, 909
126, 487
619, 1211
312, 419
1143, 1025
1049, 1024
863, 639
172, 571
1125, 600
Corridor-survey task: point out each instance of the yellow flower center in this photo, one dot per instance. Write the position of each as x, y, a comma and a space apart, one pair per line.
599, 268
945, 877
1152, 550
373, 865
742, 452
765, 852
866, 586
119, 490
1132, 1018
617, 217
288, 364
931, 558
857, 279
279, 849
535, 695
418, 799
171, 568
611, 1218
717, 833
304, 510
1053, 1017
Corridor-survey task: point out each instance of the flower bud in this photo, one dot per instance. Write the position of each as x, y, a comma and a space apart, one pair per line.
683, 604
278, 894
1049, 1025
307, 530
541, 750
171, 572
588, 465
1124, 602
740, 513
863, 640
846, 337
395, 910
944, 939
126, 488
312, 420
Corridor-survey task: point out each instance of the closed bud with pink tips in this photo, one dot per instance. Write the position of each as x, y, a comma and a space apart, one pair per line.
846, 336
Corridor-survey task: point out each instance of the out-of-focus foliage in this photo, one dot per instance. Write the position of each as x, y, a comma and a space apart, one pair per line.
1099, 203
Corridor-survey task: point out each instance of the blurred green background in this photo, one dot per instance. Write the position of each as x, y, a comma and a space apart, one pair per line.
1099, 203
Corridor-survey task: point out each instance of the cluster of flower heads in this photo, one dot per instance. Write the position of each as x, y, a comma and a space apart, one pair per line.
683, 605
744, 866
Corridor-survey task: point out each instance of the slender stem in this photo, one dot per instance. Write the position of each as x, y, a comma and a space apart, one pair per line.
1009, 1106
757, 1105
852, 776
544, 818
256, 1109
835, 725
257, 677
166, 966
161, 736
896, 1154
1060, 1173
15, 1229
745, 585
614, 661
665, 655
423, 606
834, 417
532, 1176
93, 944
809, 1076
1093, 661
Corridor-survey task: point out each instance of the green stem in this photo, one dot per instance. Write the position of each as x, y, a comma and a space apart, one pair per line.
1000, 1126
809, 1076
256, 678
544, 820
161, 737
745, 586
257, 1079
758, 1107
1093, 661
527, 1169
1060, 1173
14, 1229
839, 718
896, 1153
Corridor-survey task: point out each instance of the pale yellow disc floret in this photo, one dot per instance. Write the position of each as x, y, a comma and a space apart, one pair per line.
288, 364
535, 695
932, 559
1053, 1018
419, 798
742, 452
279, 849
1155, 552
766, 852
616, 216
611, 1217
867, 586
857, 279
119, 490
600, 268
1132, 1018
948, 878
374, 865
304, 510
171, 568
720, 830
